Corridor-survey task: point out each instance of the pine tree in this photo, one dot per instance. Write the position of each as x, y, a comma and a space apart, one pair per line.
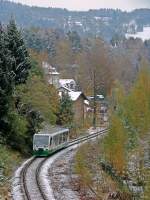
6, 75
65, 115
75, 41
19, 53
6, 83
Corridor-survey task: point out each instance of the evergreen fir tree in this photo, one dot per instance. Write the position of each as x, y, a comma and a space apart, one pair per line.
75, 41
6, 83
65, 116
19, 53
6, 74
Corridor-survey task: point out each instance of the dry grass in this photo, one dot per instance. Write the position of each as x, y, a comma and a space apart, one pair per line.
9, 161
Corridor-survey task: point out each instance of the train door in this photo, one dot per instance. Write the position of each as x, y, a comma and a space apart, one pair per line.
59, 139
67, 137
51, 143
64, 137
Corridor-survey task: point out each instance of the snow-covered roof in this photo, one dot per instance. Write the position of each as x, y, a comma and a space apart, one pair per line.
54, 73
100, 96
86, 102
66, 81
66, 88
74, 95
50, 69
144, 35
47, 66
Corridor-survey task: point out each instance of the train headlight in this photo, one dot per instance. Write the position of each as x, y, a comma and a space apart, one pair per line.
35, 147
45, 148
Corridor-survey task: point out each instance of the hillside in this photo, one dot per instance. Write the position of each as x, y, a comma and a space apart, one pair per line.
9, 161
103, 22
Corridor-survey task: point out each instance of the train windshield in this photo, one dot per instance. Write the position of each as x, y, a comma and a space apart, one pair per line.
40, 140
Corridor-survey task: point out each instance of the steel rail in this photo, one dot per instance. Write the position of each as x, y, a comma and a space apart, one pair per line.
39, 167
37, 178
23, 179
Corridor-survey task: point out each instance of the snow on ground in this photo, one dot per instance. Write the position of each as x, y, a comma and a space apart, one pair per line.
66, 191
16, 187
61, 176
44, 177
45, 180
78, 23
92, 130
144, 35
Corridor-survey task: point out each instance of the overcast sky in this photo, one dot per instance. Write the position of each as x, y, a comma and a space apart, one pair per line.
89, 4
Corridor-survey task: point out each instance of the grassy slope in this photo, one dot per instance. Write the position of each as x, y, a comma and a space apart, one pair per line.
9, 160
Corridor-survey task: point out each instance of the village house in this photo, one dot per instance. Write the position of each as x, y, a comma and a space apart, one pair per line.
79, 108
68, 83
51, 74
81, 105
63, 91
68, 86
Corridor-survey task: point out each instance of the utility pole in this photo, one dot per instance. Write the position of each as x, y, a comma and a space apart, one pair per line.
94, 103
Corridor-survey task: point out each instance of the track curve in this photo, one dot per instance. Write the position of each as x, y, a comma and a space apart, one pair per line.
30, 178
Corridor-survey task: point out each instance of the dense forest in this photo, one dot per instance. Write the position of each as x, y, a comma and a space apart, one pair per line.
103, 22
118, 69
26, 99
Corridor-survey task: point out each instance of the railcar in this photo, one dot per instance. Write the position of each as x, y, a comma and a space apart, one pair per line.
47, 142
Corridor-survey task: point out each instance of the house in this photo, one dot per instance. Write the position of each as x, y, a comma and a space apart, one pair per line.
51, 74
78, 99
87, 108
68, 83
63, 90
68, 86
54, 78
80, 103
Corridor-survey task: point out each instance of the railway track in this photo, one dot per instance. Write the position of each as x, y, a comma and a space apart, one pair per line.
31, 187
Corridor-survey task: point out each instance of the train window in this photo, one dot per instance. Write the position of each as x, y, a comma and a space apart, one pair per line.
55, 140
64, 139
40, 140
60, 138
67, 136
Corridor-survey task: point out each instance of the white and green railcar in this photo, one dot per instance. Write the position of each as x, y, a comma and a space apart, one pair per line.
45, 143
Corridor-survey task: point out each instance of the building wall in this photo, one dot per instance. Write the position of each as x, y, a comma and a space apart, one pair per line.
63, 91
78, 108
54, 80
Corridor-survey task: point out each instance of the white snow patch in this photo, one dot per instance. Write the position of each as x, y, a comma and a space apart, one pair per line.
104, 19
93, 130
74, 95
78, 23
66, 81
86, 102
16, 182
97, 18
144, 35
44, 174
100, 96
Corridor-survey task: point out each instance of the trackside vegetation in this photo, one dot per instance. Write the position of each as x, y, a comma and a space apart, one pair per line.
26, 99
123, 153
26, 102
